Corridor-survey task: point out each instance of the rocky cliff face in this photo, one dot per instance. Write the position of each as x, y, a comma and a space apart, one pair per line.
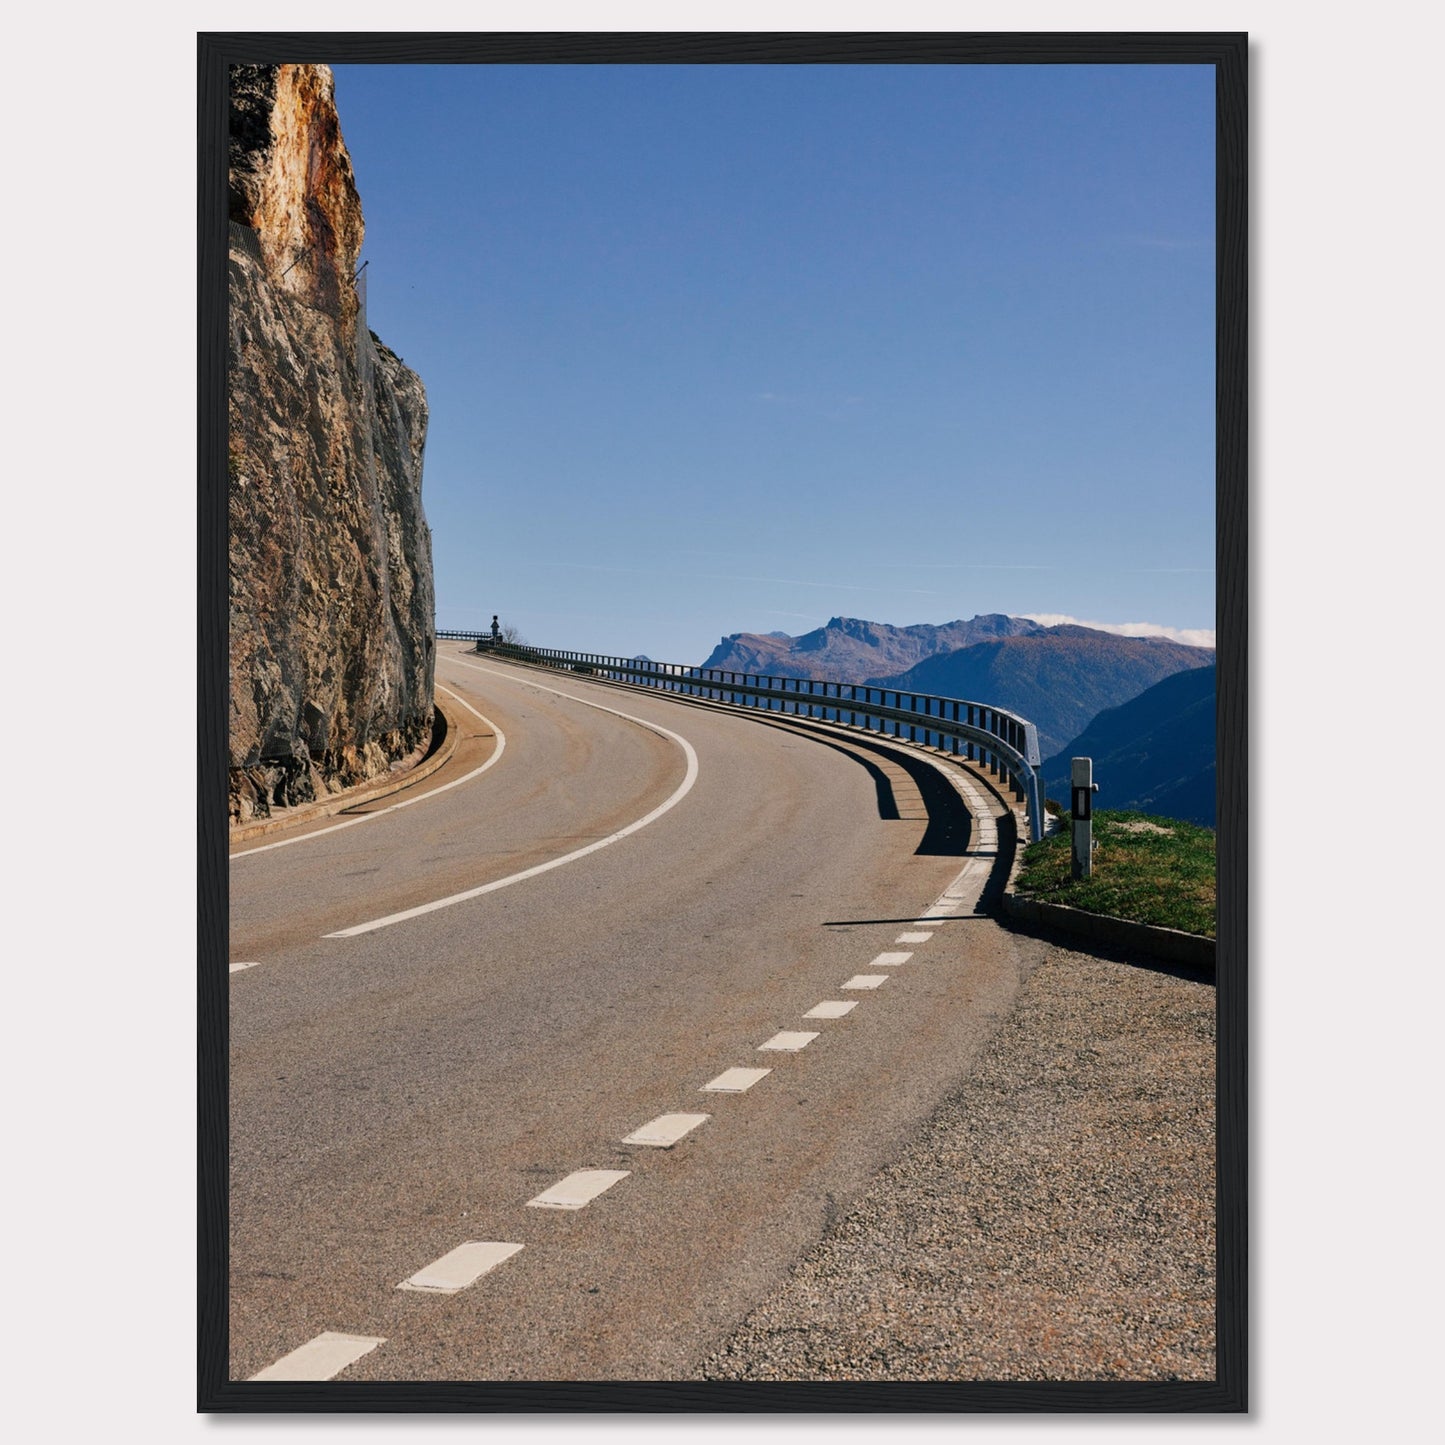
330, 555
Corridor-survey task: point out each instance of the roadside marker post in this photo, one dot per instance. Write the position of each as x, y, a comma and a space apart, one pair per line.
1084, 786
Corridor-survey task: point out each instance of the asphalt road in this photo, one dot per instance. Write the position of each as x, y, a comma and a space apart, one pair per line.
400, 1092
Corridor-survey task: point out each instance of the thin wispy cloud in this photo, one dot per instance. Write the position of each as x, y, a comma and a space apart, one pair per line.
910, 565
1042, 567
985, 566
834, 408
741, 577
825, 586
1170, 243
1190, 636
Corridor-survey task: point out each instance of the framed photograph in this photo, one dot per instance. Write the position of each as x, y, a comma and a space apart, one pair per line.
722, 798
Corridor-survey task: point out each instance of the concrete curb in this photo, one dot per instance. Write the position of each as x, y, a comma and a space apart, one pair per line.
366, 792
1171, 944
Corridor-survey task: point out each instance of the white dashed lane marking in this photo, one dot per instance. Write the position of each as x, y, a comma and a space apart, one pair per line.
578, 1189
788, 1043
830, 1009
466, 1264
734, 1081
665, 1130
330, 1353
321, 1358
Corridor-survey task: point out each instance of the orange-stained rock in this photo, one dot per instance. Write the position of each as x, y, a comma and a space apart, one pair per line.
332, 643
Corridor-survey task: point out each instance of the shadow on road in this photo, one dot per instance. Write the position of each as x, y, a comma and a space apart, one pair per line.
949, 821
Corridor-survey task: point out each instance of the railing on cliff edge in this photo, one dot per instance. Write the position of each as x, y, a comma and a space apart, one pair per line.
1008, 745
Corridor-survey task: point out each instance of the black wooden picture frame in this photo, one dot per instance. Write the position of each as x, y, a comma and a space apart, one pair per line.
1228, 54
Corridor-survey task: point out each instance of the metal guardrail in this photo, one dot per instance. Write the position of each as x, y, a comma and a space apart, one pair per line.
1002, 741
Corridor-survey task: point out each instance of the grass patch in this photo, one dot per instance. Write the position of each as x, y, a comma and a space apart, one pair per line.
1150, 870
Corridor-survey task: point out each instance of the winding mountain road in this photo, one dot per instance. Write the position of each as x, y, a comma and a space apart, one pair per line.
604, 903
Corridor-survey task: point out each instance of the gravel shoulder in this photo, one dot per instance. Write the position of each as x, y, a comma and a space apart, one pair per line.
1053, 1221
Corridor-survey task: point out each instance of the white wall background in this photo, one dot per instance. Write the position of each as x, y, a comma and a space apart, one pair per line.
99, 734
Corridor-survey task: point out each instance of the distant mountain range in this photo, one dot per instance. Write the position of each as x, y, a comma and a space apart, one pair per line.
850, 650
1057, 677
1060, 678
1154, 753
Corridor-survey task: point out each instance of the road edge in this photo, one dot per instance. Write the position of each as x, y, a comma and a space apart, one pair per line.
438, 757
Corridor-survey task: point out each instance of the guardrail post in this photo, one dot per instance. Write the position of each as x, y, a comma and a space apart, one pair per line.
1036, 805
1081, 777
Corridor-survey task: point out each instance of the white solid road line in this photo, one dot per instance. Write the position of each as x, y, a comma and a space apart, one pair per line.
464, 1265
888, 960
406, 802
788, 1042
867, 980
665, 1130
684, 788
237, 967
830, 1009
578, 1189
321, 1358
734, 1081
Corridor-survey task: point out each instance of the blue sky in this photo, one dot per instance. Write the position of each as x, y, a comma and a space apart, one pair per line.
739, 348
